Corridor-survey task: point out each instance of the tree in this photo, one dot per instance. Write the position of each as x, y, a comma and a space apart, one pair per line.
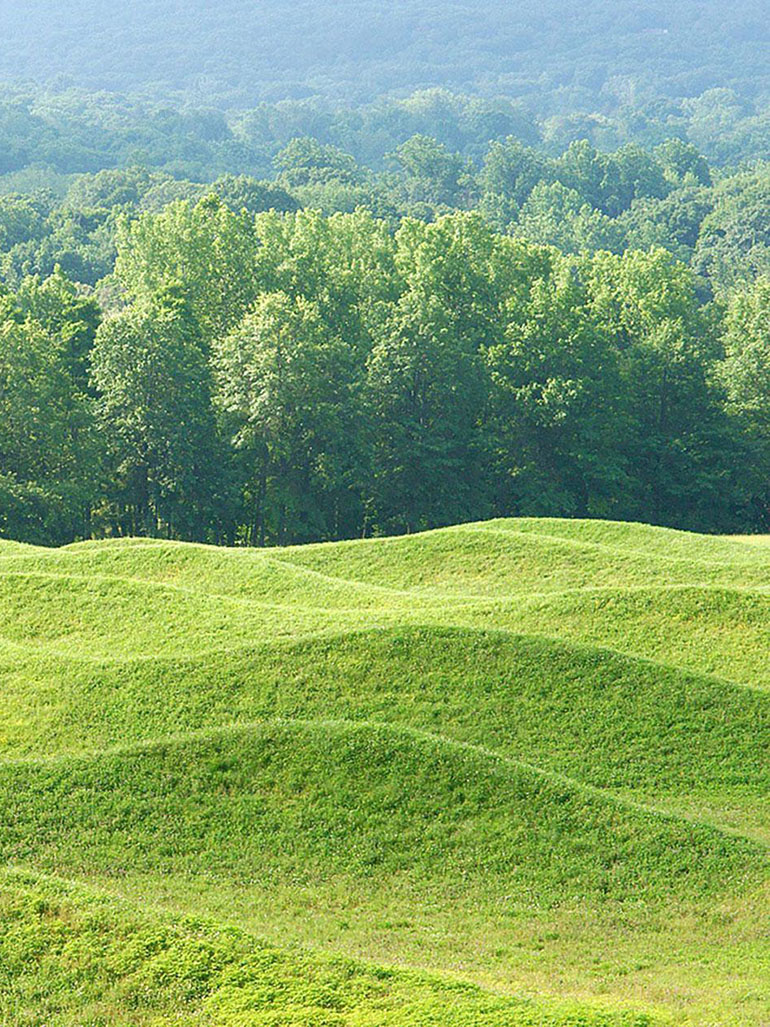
745, 374
23, 218
286, 384
305, 161
465, 266
345, 264
734, 244
426, 392
674, 222
683, 163
582, 168
204, 249
49, 451
433, 175
72, 316
510, 172
153, 381
556, 216
668, 345
631, 173
558, 412
240, 193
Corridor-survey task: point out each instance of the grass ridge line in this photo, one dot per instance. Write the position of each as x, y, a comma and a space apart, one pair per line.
756, 554
296, 641
617, 550
405, 731
458, 599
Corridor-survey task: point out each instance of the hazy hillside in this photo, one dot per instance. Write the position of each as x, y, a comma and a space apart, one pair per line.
531, 754
239, 49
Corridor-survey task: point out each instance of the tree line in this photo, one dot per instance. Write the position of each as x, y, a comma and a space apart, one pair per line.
581, 200
49, 135
291, 376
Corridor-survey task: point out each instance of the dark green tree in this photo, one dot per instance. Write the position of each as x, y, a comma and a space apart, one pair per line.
426, 393
286, 385
154, 385
49, 449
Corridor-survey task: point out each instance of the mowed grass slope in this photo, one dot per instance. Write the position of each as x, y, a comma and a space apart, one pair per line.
654, 733
70, 957
531, 754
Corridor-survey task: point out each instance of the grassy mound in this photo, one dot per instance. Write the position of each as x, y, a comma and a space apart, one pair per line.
509, 558
327, 802
69, 957
711, 630
532, 753
627, 725
688, 601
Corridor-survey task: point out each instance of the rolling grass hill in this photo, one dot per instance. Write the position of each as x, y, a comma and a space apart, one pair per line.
512, 773
70, 956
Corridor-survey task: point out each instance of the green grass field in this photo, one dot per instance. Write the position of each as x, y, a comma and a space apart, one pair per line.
505, 774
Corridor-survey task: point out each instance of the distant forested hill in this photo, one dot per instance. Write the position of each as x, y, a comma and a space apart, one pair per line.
569, 55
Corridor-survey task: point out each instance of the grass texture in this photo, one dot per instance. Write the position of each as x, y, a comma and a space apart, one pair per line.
510, 773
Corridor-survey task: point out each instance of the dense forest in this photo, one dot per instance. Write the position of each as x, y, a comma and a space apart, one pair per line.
48, 135
242, 310
292, 375
559, 55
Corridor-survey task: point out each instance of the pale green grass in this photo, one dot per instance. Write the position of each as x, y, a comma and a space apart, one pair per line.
70, 957
604, 719
706, 629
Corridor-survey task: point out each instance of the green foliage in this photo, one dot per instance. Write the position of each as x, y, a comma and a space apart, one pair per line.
556, 56
22, 218
240, 192
287, 387
556, 443
472, 375
554, 215
205, 248
292, 300
288, 377
307, 162
72, 316
746, 369
153, 381
745, 376
733, 247
434, 178
667, 347
47, 439
425, 425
